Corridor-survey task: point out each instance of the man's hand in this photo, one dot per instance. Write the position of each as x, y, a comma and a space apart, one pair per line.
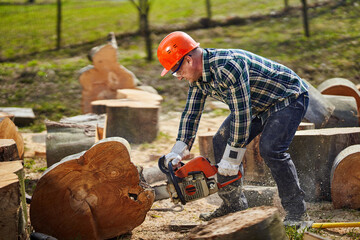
178, 152
230, 162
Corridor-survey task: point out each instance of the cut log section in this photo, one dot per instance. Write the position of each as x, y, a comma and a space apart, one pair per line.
20, 116
313, 153
13, 210
137, 122
253, 223
345, 179
8, 150
6, 115
105, 76
95, 194
206, 147
341, 87
8, 130
138, 95
345, 113
319, 109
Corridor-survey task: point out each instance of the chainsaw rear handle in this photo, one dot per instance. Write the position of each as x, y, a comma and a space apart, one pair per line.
221, 185
161, 164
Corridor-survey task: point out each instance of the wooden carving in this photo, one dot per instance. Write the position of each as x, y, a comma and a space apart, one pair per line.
96, 194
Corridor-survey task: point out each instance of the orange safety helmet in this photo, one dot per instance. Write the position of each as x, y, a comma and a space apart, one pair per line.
174, 47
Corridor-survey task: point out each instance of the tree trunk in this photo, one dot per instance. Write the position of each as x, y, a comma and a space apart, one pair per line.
345, 114
208, 9
313, 153
8, 150
250, 224
305, 18
13, 213
345, 179
95, 194
8, 130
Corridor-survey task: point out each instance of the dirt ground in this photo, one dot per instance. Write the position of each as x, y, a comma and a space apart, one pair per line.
164, 224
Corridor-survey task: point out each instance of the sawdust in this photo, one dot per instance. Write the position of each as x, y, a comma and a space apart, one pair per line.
160, 224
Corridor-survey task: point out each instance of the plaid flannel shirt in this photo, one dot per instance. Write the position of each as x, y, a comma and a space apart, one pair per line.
251, 85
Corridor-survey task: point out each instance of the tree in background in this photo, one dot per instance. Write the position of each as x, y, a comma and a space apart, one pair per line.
208, 9
305, 18
143, 7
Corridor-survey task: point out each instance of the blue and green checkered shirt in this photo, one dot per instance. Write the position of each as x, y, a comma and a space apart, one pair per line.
251, 85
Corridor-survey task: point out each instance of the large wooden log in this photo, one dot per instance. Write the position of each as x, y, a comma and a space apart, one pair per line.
345, 113
138, 95
341, 87
345, 179
13, 210
137, 122
8, 150
96, 194
8, 130
105, 76
250, 224
313, 153
319, 109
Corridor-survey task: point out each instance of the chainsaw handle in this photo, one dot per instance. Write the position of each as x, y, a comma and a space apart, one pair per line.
221, 185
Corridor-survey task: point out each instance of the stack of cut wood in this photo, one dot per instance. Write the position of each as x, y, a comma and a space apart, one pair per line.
13, 210
102, 79
95, 194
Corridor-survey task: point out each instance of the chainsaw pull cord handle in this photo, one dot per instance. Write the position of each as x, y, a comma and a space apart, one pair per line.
221, 185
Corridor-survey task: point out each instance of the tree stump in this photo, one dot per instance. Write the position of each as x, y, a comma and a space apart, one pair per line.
137, 122
345, 179
20, 116
313, 153
8, 150
8, 130
6, 115
105, 76
251, 224
138, 95
319, 109
96, 194
345, 113
341, 87
13, 210
206, 147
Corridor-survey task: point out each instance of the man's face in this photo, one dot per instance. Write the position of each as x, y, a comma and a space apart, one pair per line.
185, 69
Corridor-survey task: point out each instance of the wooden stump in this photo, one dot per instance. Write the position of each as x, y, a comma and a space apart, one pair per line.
135, 121
105, 76
254, 223
345, 179
6, 115
13, 210
8, 150
206, 147
313, 153
95, 194
345, 113
319, 109
341, 87
20, 116
8, 130
138, 95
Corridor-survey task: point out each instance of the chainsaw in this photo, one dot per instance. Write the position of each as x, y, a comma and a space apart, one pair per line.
190, 181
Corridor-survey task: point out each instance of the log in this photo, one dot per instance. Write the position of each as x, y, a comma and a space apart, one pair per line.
319, 109
306, 126
137, 122
254, 223
206, 145
13, 210
6, 115
313, 153
345, 113
22, 116
8, 150
345, 179
341, 87
97, 194
8, 130
105, 76
138, 95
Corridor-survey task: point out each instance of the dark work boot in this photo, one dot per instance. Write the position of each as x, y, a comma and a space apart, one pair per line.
234, 200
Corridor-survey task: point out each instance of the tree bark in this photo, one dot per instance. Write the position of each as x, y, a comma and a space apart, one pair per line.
305, 18
345, 179
345, 114
96, 194
251, 224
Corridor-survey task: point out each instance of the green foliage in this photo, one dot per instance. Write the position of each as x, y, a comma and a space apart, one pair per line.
294, 233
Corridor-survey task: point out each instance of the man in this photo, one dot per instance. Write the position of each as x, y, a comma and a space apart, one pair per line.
263, 97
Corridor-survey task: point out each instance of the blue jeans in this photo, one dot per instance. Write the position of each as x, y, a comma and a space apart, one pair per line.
276, 135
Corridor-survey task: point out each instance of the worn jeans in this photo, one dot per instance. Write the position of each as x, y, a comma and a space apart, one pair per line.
276, 135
